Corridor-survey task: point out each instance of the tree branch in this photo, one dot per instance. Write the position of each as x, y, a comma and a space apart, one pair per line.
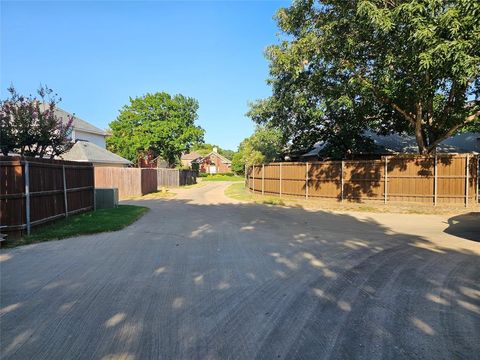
450, 132
384, 99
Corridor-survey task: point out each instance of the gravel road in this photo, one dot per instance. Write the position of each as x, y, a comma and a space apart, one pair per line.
203, 277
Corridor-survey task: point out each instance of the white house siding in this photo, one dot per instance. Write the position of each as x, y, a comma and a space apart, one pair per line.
97, 139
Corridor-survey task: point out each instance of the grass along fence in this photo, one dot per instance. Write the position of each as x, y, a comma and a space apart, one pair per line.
34, 191
451, 179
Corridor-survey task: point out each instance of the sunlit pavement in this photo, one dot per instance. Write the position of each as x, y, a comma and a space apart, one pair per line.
204, 277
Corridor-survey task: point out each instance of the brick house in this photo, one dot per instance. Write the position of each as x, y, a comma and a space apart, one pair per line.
188, 158
214, 163
149, 160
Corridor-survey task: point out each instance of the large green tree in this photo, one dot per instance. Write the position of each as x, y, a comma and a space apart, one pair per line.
385, 65
157, 122
264, 145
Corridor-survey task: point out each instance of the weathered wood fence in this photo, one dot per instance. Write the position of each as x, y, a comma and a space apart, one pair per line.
176, 177
128, 181
35, 191
440, 179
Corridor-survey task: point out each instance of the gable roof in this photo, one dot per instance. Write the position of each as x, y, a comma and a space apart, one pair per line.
191, 156
78, 124
221, 157
90, 152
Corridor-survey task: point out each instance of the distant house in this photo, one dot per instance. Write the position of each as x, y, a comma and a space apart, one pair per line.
213, 163
188, 158
149, 160
406, 144
89, 144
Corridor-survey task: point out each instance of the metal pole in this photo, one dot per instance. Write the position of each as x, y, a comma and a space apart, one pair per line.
245, 183
27, 196
342, 180
280, 179
65, 192
263, 179
94, 190
478, 179
253, 178
467, 175
435, 181
306, 181
386, 180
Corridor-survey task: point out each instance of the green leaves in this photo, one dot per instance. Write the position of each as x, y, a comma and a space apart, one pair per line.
156, 122
263, 146
347, 66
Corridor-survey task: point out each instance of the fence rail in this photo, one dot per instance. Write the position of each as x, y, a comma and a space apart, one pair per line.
176, 177
438, 179
35, 191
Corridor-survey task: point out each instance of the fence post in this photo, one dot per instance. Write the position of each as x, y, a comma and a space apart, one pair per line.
342, 180
253, 178
478, 179
93, 189
306, 180
27, 196
263, 179
65, 192
467, 176
245, 181
280, 180
386, 180
435, 181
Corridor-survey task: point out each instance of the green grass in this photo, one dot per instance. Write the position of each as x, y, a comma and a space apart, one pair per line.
239, 192
88, 223
220, 177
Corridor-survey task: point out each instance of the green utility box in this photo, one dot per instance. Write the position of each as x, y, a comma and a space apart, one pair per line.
106, 198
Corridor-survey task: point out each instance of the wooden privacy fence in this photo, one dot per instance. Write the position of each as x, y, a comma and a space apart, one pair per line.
35, 191
440, 179
176, 177
128, 181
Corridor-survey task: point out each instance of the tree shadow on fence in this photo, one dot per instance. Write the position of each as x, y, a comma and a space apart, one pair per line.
361, 180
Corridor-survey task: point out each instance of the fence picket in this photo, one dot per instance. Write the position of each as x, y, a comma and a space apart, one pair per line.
445, 179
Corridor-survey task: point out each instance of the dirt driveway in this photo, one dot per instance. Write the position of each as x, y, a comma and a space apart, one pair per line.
202, 277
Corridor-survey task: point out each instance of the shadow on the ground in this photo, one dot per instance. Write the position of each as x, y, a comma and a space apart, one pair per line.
242, 281
466, 226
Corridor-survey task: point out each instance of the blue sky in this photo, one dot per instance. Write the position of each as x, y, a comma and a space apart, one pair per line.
96, 55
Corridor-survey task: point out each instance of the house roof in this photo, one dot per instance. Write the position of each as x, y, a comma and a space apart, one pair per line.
78, 124
406, 144
90, 152
191, 156
221, 157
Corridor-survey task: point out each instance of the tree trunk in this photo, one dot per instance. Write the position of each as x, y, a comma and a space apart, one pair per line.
419, 136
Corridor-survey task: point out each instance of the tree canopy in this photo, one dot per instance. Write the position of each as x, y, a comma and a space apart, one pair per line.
264, 145
343, 67
157, 122
29, 125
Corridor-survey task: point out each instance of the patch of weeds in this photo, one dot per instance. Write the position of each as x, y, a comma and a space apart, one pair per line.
273, 201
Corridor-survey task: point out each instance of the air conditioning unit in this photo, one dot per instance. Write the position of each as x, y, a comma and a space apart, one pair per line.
106, 198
